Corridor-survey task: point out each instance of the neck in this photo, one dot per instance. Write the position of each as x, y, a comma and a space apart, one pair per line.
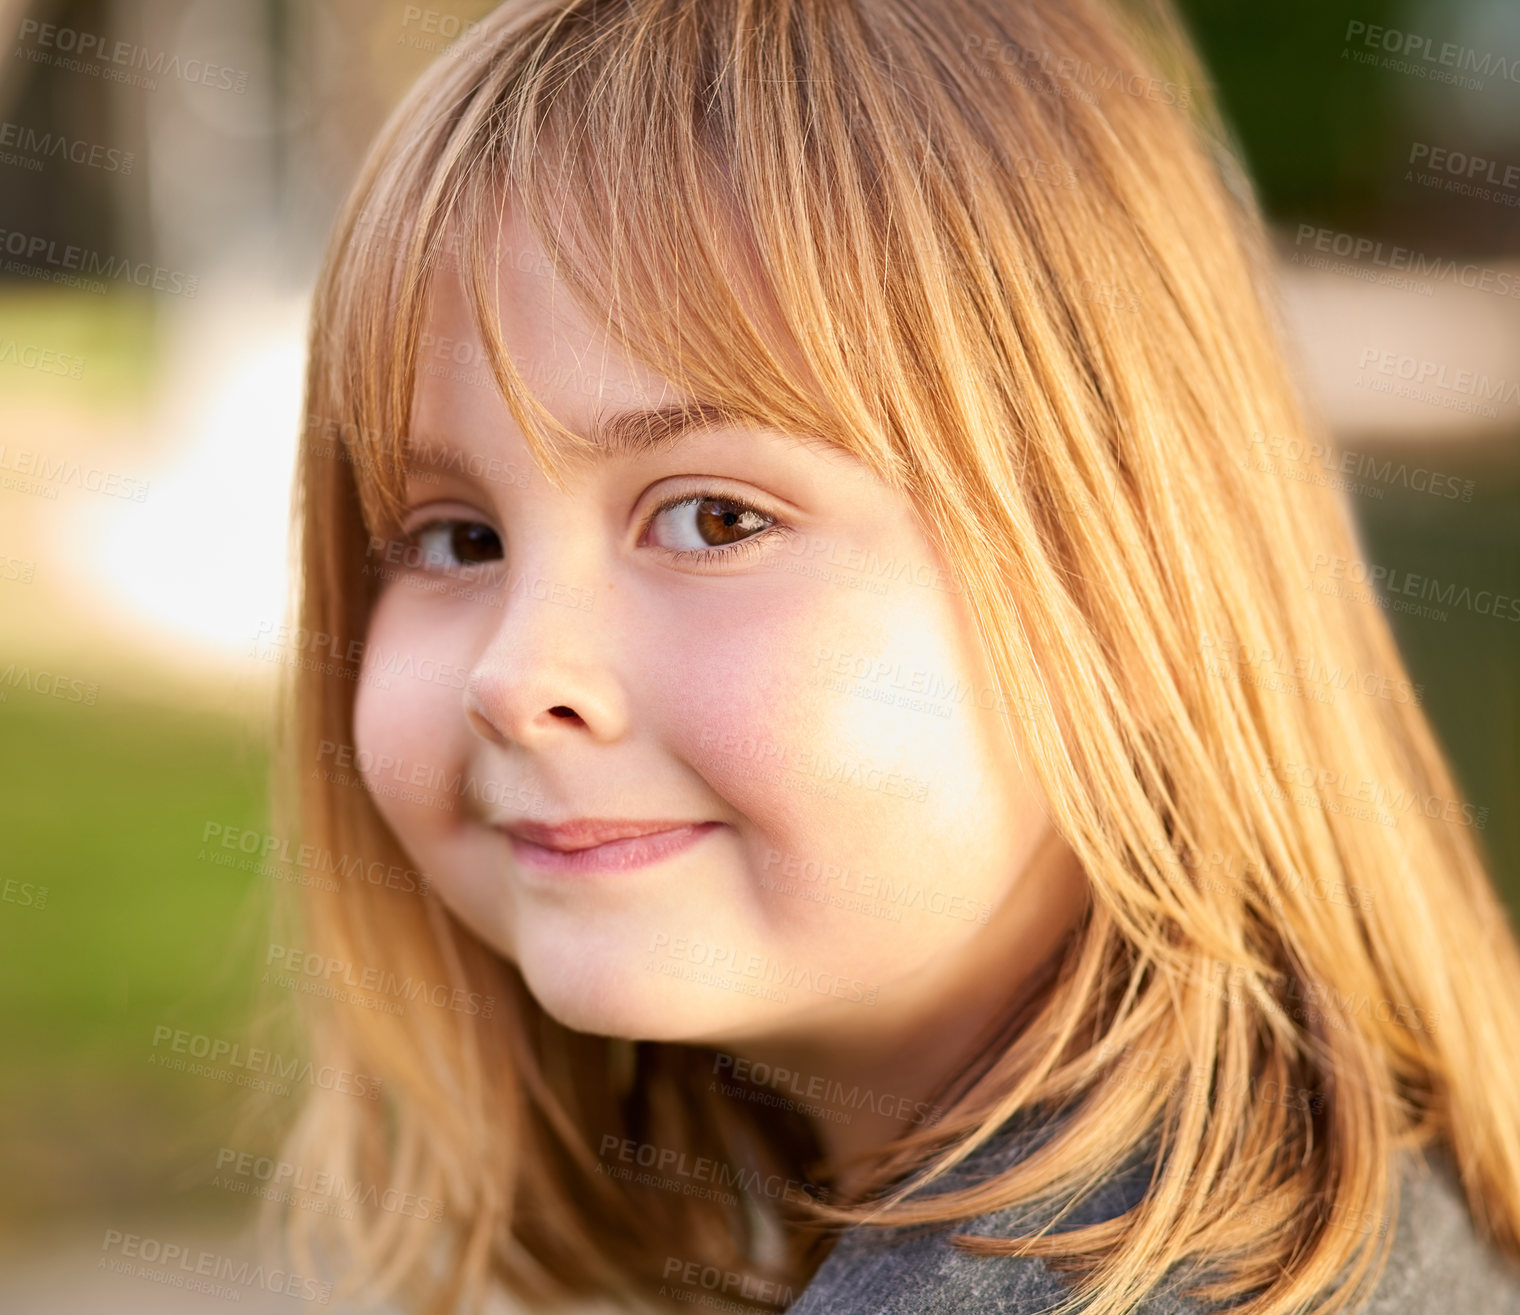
864, 1088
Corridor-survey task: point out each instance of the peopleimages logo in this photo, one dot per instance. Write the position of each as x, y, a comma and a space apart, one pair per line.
330, 970
47, 684
48, 474
1077, 73
270, 853
1453, 63
1234, 653
218, 1051
1398, 800
1438, 374
820, 1090
1389, 581
1461, 165
703, 1169
1380, 468
202, 1271
1462, 391
40, 146
264, 1176
728, 959
45, 360
85, 48
1499, 282
32, 248
817, 763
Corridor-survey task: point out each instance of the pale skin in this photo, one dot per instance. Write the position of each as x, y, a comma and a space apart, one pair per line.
604, 677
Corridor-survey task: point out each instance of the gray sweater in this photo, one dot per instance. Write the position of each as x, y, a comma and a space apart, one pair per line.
1437, 1263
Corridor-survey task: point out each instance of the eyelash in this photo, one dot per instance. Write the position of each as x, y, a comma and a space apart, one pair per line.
741, 549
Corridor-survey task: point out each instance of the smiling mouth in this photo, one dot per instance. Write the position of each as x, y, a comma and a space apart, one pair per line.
597, 846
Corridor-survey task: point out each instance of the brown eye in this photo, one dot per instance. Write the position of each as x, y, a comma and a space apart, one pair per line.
449, 544
474, 542
696, 524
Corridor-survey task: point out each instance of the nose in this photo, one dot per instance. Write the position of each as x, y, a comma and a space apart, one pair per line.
549, 668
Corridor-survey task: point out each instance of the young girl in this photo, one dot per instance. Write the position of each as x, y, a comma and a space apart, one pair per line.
888, 807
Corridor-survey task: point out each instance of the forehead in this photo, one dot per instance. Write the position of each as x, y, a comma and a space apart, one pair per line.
573, 366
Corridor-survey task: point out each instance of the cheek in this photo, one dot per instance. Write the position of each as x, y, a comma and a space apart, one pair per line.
411, 741
828, 686
843, 726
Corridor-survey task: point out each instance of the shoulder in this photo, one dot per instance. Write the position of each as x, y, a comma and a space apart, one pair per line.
1437, 1260
916, 1271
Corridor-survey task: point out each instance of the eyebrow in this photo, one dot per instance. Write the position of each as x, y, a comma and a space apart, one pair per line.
631, 433
641, 432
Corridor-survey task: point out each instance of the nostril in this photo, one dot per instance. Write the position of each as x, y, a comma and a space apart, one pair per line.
562, 711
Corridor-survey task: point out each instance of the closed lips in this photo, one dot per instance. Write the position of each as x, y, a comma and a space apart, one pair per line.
587, 833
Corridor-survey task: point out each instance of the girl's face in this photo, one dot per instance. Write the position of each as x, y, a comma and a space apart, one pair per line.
731, 629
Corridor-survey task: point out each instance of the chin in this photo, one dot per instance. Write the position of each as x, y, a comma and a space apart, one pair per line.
623, 1000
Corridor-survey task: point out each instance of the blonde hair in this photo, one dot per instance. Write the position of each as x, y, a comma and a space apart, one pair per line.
1029, 289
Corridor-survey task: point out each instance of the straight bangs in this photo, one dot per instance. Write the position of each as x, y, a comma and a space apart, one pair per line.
898, 229
597, 128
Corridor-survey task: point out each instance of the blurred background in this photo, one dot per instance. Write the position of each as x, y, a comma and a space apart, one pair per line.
193, 153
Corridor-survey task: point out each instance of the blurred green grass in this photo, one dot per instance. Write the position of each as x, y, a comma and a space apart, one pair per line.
105, 807
106, 347
1469, 663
